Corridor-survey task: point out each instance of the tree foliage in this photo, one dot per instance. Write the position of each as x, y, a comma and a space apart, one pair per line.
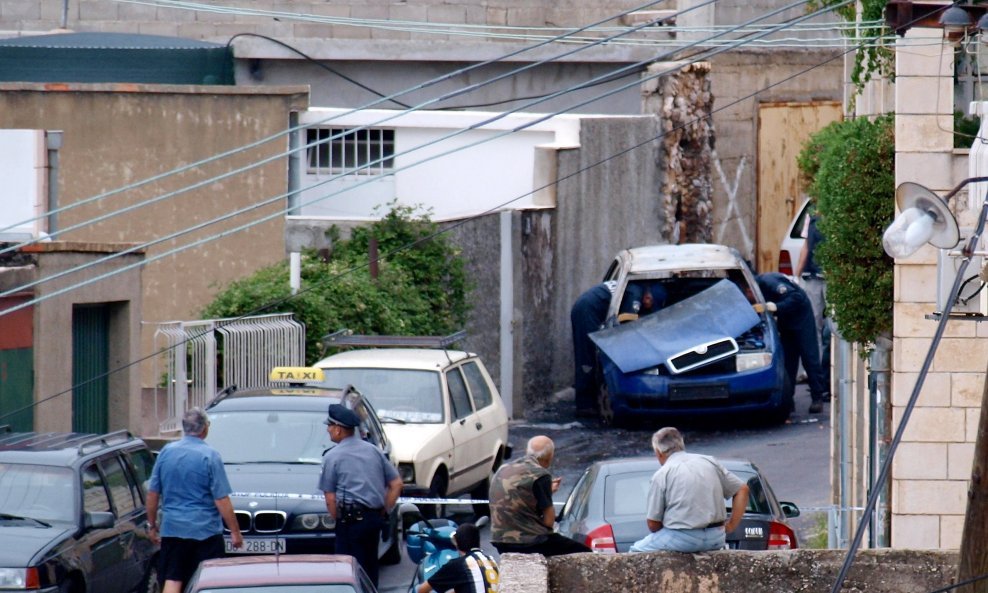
420, 290
850, 169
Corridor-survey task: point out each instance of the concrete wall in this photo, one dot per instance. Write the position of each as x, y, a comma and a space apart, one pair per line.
116, 135
873, 571
741, 79
52, 326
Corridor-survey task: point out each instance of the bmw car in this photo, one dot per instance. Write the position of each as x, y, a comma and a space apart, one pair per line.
688, 332
606, 508
272, 441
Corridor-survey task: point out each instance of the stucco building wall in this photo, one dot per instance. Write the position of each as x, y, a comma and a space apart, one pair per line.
116, 135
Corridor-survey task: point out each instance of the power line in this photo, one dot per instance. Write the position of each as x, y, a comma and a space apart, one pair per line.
538, 119
291, 130
456, 225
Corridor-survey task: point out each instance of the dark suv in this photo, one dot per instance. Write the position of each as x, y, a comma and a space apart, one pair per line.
72, 515
272, 441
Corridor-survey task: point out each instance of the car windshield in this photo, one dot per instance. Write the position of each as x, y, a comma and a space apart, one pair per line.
301, 588
404, 395
37, 492
267, 436
627, 494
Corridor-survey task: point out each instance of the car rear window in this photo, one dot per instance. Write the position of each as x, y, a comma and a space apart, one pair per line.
411, 396
37, 492
627, 494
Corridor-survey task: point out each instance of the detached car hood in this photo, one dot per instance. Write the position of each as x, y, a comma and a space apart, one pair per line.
274, 478
20, 544
417, 441
718, 312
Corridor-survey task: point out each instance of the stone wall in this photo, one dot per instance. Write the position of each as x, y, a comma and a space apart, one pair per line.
873, 571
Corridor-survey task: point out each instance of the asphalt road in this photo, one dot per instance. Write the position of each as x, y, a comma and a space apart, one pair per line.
795, 458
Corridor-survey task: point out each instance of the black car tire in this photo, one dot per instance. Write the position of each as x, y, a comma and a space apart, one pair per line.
392, 555
150, 583
786, 406
607, 414
437, 489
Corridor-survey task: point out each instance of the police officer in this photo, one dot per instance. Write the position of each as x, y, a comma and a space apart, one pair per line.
361, 486
797, 330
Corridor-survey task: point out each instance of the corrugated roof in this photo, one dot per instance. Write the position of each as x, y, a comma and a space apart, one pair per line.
106, 41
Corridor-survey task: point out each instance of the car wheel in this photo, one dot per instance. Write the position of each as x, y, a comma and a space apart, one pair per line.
150, 584
393, 554
786, 406
607, 414
437, 489
483, 490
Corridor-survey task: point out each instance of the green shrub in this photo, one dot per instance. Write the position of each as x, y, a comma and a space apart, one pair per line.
420, 289
850, 166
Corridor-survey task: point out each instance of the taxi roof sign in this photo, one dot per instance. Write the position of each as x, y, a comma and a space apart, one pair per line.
296, 374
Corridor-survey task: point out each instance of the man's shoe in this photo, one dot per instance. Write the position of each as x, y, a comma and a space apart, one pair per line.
816, 407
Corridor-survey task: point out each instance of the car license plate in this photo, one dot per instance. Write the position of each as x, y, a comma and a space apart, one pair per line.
259, 545
698, 392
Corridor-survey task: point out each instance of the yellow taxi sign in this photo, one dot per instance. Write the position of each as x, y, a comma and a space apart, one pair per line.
296, 374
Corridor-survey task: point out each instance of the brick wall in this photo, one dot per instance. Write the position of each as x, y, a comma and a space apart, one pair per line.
932, 465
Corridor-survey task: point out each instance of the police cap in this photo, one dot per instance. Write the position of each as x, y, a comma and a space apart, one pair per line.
342, 416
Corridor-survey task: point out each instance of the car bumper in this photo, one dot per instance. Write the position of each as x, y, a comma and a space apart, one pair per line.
642, 393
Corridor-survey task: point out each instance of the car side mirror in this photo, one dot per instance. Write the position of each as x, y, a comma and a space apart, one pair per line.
482, 521
98, 520
789, 509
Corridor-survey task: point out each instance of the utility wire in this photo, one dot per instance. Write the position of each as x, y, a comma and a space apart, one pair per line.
451, 227
291, 130
501, 115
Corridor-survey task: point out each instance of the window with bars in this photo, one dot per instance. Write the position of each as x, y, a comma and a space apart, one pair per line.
341, 151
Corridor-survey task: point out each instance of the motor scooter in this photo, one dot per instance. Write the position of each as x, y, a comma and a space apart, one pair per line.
429, 542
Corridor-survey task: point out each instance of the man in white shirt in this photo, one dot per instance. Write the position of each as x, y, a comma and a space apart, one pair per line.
686, 511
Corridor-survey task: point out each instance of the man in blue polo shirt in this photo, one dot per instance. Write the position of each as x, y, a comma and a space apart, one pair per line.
189, 482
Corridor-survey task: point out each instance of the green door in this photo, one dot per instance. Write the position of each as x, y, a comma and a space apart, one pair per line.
90, 363
17, 388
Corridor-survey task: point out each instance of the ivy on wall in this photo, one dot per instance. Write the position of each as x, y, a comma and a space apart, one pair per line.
871, 60
420, 290
850, 170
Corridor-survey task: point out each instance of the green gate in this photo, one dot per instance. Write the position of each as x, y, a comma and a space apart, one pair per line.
17, 388
90, 363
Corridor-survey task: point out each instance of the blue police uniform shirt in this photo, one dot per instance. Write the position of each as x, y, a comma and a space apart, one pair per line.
189, 477
357, 472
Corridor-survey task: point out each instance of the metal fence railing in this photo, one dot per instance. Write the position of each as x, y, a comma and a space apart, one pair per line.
198, 358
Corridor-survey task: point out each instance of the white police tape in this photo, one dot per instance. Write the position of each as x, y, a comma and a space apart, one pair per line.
403, 499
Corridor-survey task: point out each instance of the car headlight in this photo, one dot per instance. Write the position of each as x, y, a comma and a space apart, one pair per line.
753, 360
313, 522
407, 472
19, 578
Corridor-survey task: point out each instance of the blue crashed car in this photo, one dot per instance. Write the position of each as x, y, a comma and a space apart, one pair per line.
688, 332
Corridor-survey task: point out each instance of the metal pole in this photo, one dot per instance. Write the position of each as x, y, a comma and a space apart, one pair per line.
920, 379
844, 421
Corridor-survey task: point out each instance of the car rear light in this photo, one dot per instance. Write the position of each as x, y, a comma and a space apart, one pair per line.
780, 537
601, 540
785, 263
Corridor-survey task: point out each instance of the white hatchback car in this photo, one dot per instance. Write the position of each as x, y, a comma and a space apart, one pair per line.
792, 243
441, 412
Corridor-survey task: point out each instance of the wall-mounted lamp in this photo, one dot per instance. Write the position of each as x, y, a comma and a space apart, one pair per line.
924, 219
955, 22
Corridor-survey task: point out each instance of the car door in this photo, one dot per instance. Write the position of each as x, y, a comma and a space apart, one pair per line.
109, 570
131, 519
466, 429
491, 416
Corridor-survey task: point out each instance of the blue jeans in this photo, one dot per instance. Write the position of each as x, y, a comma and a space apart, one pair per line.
682, 540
